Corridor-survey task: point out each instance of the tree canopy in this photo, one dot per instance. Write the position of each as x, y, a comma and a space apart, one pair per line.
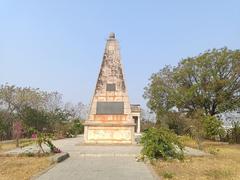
35, 110
209, 82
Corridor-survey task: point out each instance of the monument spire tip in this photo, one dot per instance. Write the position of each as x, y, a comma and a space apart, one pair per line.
112, 35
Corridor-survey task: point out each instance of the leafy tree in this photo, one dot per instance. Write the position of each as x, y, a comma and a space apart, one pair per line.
209, 82
3, 127
37, 119
38, 110
13, 99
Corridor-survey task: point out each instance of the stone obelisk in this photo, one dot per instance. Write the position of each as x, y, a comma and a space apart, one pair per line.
110, 118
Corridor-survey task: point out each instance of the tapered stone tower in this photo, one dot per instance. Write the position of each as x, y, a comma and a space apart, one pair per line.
110, 119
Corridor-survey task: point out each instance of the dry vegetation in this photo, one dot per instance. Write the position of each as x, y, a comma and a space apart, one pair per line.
223, 164
7, 146
12, 144
15, 168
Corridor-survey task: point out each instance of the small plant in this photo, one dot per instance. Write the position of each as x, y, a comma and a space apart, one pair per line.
26, 154
213, 150
168, 175
30, 154
161, 143
44, 138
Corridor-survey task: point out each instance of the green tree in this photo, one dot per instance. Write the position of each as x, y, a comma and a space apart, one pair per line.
5, 125
33, 118
209, 82
13, 99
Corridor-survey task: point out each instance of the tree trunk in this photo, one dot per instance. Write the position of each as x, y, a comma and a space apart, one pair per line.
17, 141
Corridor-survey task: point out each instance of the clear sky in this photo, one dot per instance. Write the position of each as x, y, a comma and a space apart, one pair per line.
57, 45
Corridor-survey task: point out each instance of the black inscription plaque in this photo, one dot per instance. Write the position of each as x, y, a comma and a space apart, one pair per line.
111, 87
110, 108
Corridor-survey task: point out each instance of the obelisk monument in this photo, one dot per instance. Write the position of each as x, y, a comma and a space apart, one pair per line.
110, 118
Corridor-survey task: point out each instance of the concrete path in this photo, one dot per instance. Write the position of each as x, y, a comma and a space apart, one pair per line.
98, 162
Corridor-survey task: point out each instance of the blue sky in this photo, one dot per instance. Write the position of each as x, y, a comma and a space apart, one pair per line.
57, 45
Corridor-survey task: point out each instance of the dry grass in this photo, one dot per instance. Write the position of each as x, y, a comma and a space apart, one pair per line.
12, 145
223, 164
15, 168
7, 146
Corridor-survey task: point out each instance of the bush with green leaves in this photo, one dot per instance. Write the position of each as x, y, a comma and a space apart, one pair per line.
77, 128
174, 121
212, 127
161, 143
233, 134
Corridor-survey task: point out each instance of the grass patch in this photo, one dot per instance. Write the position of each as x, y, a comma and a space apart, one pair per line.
188, 141
219, 173
30, 154
14, 168
223, 164
12, 144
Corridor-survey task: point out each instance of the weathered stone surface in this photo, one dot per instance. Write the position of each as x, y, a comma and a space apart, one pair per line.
110, 135
110, 119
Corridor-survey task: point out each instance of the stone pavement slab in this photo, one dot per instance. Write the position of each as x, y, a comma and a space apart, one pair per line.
97, 162
99, 168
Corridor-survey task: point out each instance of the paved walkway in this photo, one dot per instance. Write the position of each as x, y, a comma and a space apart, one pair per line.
98, 162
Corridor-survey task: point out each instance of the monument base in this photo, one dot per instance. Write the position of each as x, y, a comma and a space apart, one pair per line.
102, 133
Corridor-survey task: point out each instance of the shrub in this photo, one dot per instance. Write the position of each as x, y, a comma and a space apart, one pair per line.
212, 127
44, 138
175, 122
168, 175
77, 128
145, 124
233, 134
161, 143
